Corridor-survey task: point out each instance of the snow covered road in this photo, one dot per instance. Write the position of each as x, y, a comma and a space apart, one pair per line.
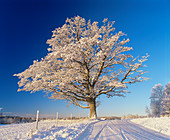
119, 130
81, 130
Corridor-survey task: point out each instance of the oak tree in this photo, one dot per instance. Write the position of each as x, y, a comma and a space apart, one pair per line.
84, 62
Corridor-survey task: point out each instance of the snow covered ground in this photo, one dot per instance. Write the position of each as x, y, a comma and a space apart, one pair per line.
46, 130
81, 130
161, 125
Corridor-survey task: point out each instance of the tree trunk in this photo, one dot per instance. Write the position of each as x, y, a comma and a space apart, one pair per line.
93, 114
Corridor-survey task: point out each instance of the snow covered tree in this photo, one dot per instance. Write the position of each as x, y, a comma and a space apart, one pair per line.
147, 110
165, 103
156, 98
84, 62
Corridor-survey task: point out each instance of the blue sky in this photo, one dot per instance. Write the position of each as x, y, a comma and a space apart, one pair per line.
26, 25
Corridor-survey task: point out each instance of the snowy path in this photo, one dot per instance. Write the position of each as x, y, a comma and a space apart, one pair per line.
119, 130
81, 130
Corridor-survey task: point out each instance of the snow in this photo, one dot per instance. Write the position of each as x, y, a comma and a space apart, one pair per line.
119, 130
83, 130
161, 125
46, 130
63, 131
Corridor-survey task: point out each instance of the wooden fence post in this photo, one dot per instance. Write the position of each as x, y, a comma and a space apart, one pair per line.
36, 127
57, 119
71, 118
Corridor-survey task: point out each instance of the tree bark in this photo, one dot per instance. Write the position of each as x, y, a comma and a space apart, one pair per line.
93, 114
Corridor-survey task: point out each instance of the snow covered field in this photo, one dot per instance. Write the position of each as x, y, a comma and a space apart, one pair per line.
161, 125
85, 130
46, 130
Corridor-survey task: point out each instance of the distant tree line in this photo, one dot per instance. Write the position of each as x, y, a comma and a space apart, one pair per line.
159, 101
15, 119
130, 116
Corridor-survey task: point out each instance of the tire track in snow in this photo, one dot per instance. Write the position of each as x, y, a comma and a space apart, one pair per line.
86, 132
98, 134
83, 131
133, 131
129, 132
120, 130
123, 135
122, 126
